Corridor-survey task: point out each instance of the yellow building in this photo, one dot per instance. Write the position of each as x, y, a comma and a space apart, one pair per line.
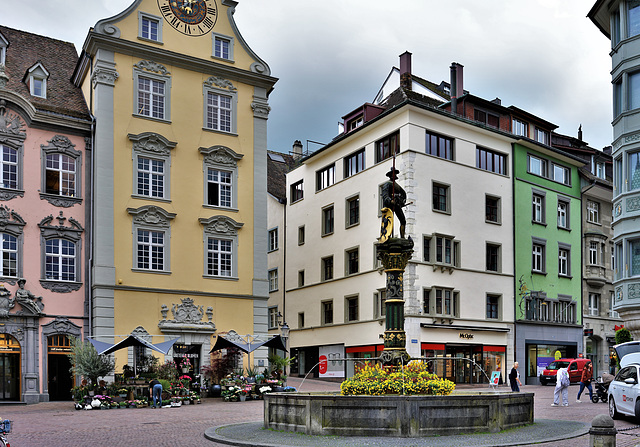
179, 233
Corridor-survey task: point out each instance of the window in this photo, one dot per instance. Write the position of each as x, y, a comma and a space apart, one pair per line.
617, 98
353, 211
37, 80
61, 247
219, 188
441, 198
273, 239
634, 170
273, 280
327, 268
493, 257
3, 50
486, 118
634, 257
300, 278
149, 27
594, 301
439, 146
600, 170
355, 123
352, 261
9, 266
351, 305
220, 104
426, 302
426, 249
222, 47
150, 177
327, 220
561, 174
538, 214
327, 312
491, 161
593, 212
273, 317
151, 98
519, 127
380, 303
596, 253
537, 166
634, 91
221, 246
542, 136
538, 261
446, 250
493, 306
633, 18
325, 177
354, 163
297, 191
9, 164
60, 175
564, 259
618, 176
301, 319
615, 28
386, 147
563, 214
492, 209
445, 302
301, 235
150, 250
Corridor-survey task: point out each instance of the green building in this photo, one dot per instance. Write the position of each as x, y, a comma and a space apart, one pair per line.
547, 222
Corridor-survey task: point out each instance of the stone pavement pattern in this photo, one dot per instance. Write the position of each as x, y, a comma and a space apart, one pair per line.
58, 424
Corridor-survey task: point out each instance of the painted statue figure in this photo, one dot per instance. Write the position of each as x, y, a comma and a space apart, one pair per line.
28, 300
394, 198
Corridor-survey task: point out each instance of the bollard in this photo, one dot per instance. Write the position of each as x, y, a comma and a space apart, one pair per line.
602, 432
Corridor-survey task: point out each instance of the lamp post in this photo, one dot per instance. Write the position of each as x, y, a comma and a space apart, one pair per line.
284, 334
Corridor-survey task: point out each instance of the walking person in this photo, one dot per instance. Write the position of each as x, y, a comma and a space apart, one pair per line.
514, 378
156, 391
562, 388
585, 381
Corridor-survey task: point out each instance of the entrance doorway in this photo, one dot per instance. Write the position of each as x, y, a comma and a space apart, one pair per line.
459, 371
60, 380
9, 368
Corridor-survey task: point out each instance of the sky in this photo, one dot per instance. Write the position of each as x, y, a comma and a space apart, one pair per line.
543, 56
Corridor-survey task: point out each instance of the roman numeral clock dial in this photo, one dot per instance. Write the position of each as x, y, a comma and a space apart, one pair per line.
190, 17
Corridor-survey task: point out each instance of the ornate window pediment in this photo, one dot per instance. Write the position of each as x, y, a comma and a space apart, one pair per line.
152, 144
10, 221
217, 81
152, 66
221, 226
49, 230
220, 155
151, 215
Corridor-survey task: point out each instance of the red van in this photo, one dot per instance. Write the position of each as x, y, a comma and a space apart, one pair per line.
574, 366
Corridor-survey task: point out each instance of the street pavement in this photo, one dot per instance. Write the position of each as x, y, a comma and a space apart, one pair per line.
58, 424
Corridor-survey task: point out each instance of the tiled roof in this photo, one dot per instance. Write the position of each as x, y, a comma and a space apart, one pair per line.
58, 58
277, 173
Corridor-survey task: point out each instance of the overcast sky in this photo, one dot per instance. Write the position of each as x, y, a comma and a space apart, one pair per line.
331, 56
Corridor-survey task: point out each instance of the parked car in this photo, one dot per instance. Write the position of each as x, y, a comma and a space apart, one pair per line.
574, 366
624, 390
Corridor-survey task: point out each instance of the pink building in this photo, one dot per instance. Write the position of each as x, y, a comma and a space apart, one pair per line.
45, 172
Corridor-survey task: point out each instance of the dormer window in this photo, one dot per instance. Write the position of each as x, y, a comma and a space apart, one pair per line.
355, 123
542, 136
37, 80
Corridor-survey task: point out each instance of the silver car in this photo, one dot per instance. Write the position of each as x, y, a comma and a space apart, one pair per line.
624, 390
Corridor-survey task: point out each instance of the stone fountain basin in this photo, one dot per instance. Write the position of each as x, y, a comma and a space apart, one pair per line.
397, 416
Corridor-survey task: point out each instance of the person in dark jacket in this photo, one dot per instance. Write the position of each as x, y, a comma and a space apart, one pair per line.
514, 380
156, 392
585, 381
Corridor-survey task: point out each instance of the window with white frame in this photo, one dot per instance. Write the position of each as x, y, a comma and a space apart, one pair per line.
445, 302
151, 153
354, 163
151, 230
296, 191
538, 208
9, 265
220, 105
387, 146
61, 172
561, 174
3, 50
633, 17
10, 167
600, 170
593, 212
538, 256
273, 317
564, 213
220, 258
594, 249
149, 27
537, 166
60, 175
612, 313
152, 91
380, 303
223, 46
519, 127
273, 280
564, 259
37, 77
446, 251
542, 136
60, 260
220, 166
594, 304
273, 239
221, 247
325, 177
439, 145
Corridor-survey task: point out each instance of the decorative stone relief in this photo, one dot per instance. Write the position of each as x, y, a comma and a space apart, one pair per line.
152, 143
60, 287
11, 124
152, 66
220, 155
633, 291
72, 232
260, 108
151, 215
221, 225
6, 302
217, 81
18, 334
30, 303
10, 221
633, 204
186, 315
104, 76
618, 296
61, 144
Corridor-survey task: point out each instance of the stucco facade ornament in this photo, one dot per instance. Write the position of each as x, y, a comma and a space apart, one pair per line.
217, 81
152, 66
18, 334
10, 221
151, 215
634, 291
10, 123
152, 143
61, 144
104, 76
633, 204
73, 231
30, 303
221, 225
186, 315
6, 302
260, 108
220, 155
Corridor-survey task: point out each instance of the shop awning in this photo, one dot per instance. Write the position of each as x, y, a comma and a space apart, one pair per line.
223, 343
131, 340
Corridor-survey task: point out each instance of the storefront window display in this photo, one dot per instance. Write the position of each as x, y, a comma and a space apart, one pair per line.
360, 352
539, 356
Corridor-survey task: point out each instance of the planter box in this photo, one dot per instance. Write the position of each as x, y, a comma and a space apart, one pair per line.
397, 416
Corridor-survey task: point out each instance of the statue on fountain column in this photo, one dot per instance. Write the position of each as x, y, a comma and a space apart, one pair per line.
29, 302
394, 198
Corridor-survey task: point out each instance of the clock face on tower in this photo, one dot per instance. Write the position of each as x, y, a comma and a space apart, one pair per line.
190, 17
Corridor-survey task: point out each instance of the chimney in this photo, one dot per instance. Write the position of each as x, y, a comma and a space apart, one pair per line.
497, 101
456, 85
580, 132
405, 70
297, 150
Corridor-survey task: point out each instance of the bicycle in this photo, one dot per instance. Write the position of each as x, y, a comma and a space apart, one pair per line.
5, 427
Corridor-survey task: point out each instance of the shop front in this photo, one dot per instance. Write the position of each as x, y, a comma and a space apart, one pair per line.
464, 363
